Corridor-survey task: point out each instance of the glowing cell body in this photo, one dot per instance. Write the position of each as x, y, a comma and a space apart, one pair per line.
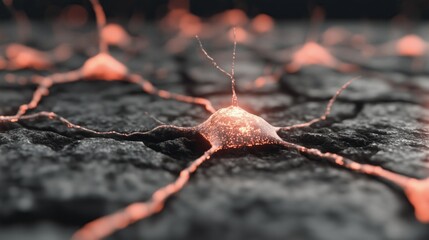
411, 46
312, 53
115, 35
104, 66
233, 127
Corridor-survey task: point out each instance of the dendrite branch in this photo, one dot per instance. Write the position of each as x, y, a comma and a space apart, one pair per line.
327, 109
105, 134
149, 88
105, 226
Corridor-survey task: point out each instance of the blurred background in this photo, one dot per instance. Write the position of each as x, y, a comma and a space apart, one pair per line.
278, 9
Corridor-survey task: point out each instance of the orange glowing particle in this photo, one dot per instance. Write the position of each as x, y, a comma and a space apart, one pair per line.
115, 35
22, 57
270, 75
179, 18
234, 17
190, 25
241, 35
262, 23
182, 23
334, 35
411, 46
313, 53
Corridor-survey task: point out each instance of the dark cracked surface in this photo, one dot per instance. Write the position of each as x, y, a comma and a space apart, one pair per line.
53, 179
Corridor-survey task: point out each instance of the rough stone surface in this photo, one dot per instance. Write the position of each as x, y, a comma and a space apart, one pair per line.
53, 179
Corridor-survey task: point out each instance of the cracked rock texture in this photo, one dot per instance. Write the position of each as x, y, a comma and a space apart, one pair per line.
54, 179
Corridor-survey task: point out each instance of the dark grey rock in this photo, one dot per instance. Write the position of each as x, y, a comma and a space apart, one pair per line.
54, 179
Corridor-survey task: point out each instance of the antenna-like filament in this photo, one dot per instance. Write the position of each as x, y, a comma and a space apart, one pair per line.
230, 75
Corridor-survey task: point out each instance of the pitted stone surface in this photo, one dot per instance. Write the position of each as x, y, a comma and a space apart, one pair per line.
53, 179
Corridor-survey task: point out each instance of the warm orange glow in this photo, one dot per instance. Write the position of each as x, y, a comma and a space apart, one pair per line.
262, 23
115, 35
20, 57
233, 127
418, 193
190, 25
311, 53
334, 35
411, 46
172, 19
105, 67
269, 76
23, 57
234, 17
241, 35
261, 81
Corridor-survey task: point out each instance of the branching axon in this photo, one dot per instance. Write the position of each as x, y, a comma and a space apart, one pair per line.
227, 128
231, 128
100, 67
